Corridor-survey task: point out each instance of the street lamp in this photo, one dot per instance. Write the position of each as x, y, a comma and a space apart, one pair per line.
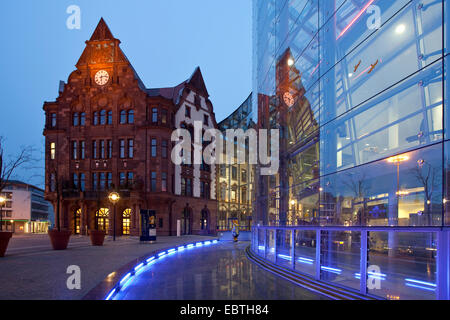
2, 203
114, 197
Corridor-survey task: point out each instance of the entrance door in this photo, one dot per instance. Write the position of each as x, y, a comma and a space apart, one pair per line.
103, 219
186, 222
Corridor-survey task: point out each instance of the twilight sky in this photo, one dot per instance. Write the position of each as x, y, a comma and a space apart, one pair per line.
164, 40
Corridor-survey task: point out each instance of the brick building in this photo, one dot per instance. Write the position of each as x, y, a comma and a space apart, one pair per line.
107, 131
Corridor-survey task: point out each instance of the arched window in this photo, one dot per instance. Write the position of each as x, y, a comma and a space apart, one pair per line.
123, 116
130, 116
103, 117
110, 117
102, 217
126, 222
77, 221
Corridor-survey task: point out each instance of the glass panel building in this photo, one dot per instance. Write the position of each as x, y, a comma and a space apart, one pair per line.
358, 90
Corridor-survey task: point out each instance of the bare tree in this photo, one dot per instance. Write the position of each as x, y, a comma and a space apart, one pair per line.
10, 164
356, 183
427, 176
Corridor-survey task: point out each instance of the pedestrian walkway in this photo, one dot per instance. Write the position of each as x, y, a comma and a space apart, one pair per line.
217, 272
32, 270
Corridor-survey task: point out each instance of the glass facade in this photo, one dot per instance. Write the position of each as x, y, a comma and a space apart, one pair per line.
358, 91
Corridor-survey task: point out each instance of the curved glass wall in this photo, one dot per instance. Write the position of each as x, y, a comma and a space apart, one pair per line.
359, 92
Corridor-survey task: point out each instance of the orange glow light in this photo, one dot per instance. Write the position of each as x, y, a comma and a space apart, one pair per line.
398, 159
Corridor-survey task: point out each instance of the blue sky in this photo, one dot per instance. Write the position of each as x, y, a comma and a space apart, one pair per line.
164, 40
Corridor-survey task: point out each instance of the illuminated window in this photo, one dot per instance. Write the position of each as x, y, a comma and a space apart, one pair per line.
102, 217
77, 222
126, 222
53, 150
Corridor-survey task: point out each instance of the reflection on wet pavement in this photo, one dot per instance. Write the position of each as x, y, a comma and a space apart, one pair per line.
219, 272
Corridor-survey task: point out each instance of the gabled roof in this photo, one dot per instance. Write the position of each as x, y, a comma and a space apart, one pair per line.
174, 93
196, 80
102, 32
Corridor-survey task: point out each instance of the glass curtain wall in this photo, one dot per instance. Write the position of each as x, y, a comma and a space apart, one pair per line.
358, 91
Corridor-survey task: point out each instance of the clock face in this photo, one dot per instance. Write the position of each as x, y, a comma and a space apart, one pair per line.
288, 99
101, 77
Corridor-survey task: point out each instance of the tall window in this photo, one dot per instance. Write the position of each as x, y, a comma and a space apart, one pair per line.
82, 182
155, 115
110, 117
122, 180
153, 181
95, 118
75, 181
234, 173
202, 189
102, 117
82, 119
183, 186
164, 181
244, 175
164, 147
102, 180
153, 149
189, 187
109, 180
163, 116
75, 119
126, 222
110, 147
102, 149
130, 116
130, 179
82, 150
53, 150
123, 116
74, 150
94, 150
122, 148
52, 182
130, 148
205, 120
187, 112
94, 181
53, 119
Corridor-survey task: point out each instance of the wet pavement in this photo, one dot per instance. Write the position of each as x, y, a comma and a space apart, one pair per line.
216, 272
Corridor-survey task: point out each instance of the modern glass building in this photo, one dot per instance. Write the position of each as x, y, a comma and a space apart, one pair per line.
358, 91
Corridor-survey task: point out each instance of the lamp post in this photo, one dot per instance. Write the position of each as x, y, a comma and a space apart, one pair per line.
392, 239
2, 203
398, 160
114, 197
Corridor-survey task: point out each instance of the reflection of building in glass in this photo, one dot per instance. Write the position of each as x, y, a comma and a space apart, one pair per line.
363, 143
235, 187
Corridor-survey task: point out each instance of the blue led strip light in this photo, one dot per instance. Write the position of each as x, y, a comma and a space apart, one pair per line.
125, 281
